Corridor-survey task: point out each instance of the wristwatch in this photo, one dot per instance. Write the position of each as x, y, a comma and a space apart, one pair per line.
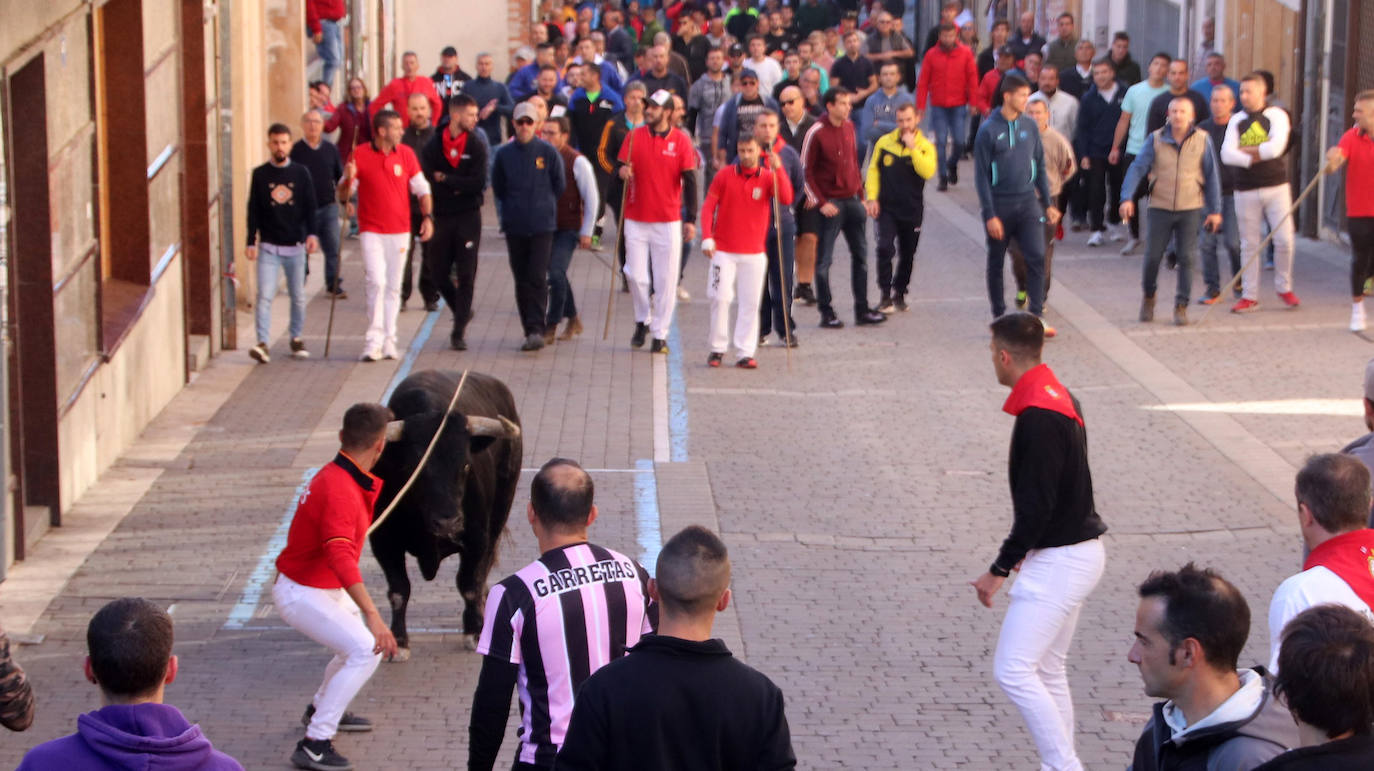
998, 571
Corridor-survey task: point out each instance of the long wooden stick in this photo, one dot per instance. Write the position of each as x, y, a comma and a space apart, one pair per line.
1273, 231
619, 237
784, 291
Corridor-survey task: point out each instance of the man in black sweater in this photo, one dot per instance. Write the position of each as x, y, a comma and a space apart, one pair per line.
1053, 541
281, 231
321, 158
455, 162
416, 136
636, 712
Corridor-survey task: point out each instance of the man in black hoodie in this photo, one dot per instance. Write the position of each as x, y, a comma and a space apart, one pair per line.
630, 713
1053, 542
455, 162
1189, 631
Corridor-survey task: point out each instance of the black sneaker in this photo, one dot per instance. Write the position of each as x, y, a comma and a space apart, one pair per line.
899, 302
319, 754
431, 306
658, 346
954, 173
259, 353
349, 723
805, 293
456, 341
868, 318
747, 362
792, 340
831, 321
943, 186
641, 332
715, 359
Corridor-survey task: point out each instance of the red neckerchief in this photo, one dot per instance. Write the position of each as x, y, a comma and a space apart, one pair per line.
454, 146
1040, 388
1351, 557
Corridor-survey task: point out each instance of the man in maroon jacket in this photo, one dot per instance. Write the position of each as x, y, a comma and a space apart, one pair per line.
833, 185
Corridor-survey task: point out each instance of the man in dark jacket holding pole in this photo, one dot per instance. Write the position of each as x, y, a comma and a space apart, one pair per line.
1054, 540
455, 162
527, 178
629, 714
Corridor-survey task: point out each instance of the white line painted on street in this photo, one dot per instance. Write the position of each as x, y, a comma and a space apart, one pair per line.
421, 337
243, 610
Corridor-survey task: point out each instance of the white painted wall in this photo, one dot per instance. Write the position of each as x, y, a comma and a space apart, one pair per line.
471, 26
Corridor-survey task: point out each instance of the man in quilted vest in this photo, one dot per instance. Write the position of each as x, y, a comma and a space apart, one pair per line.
1185, 187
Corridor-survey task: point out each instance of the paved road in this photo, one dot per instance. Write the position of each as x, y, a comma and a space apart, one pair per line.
859, 492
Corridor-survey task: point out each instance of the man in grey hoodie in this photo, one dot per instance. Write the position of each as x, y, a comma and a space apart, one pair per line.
1189, 631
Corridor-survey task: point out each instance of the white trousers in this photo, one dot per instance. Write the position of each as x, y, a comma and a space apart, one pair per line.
659, 243
384, 259
728, 271
1253, 207
332, 619
1029, 664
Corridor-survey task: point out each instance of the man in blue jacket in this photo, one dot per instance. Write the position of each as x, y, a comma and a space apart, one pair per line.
1014, 194
1098, 113
129, 656
527, 178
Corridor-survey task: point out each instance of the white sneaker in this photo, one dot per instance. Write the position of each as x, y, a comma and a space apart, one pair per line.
388, 351
683, 296
1130, 247
1095, 239
1116, 233
1357, 322
371, 355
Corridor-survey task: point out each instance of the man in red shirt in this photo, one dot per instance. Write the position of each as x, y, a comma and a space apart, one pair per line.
319, 590
949, 80
1356, 148
734, 223
387, 173
830, 159
658, 162
396, 94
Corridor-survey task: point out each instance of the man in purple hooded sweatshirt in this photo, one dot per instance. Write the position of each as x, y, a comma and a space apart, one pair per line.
129, 644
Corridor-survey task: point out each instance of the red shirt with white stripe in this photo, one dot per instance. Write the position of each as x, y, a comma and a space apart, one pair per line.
655, 193
737, 206
1359, 161
383, 185
327, 531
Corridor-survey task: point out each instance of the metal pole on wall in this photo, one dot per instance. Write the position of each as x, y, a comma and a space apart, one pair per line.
6, 508
228, 325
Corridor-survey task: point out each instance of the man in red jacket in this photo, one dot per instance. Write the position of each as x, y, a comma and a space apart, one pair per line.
397, 92
734, 224
322, 19
319, 589
949, 79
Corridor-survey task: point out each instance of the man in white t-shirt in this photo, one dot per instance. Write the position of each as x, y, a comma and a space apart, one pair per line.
1333, 508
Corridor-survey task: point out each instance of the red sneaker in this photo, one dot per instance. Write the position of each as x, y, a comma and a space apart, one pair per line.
714, 359
1245, 306
1050, 331
747, 363
1289, 299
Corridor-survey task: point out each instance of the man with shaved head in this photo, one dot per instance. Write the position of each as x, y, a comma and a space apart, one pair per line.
630, 714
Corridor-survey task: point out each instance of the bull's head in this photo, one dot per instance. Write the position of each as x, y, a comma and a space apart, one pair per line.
478, 426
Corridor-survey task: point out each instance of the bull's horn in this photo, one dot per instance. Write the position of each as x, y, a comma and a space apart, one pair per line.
393, 430
499, 427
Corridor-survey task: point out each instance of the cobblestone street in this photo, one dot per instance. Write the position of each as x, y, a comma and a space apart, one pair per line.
859, 490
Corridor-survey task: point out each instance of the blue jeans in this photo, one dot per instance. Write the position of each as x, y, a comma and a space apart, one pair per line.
851, 218
327, 230
1024, 220
272, 258
561, 304
948, 124
1228, 237
1161, 226
330, 50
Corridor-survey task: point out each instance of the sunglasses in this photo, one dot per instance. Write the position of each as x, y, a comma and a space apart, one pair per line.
524, 121
792, 101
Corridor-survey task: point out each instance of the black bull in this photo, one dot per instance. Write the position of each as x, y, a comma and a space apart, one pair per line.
461, 499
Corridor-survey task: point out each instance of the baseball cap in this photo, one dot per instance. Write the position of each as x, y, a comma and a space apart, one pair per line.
525, 110
748, 72
449, 51
524, 52
736, 49
1369, 380
661, 97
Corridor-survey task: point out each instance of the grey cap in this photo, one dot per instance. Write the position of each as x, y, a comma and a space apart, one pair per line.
524, 52
525, 110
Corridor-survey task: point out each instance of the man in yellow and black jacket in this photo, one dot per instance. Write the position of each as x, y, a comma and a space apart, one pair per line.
898, 168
